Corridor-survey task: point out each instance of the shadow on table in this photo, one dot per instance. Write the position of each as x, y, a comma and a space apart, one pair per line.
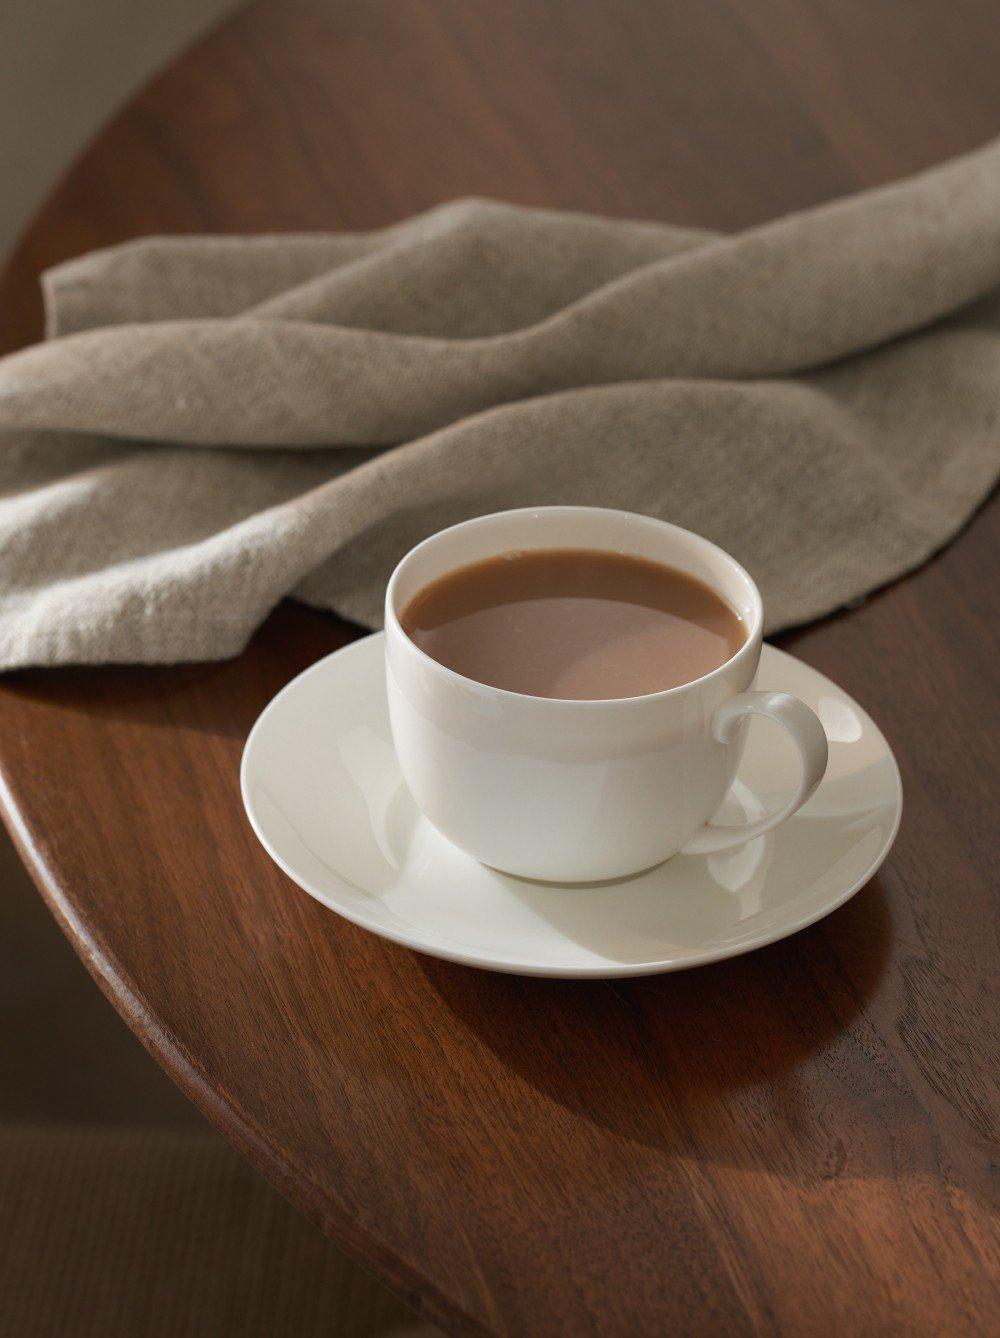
744, 1061
220, 698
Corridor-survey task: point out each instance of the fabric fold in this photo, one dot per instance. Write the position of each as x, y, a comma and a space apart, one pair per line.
216, 423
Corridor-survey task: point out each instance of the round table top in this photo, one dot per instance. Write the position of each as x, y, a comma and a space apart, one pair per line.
796, 1141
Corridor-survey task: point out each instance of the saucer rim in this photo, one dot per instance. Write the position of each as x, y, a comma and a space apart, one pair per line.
602, 971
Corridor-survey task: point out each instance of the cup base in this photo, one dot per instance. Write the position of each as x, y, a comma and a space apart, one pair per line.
324, 792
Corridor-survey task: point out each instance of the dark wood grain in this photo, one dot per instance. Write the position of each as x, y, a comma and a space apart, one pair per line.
795, 1142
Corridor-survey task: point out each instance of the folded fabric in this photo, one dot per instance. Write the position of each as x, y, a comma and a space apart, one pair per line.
215, 423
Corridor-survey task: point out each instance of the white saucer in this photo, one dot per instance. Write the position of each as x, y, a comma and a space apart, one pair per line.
324, 794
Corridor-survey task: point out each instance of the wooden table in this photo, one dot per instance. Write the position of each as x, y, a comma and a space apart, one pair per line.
793, 1142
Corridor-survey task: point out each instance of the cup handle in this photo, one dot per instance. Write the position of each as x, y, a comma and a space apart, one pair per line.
803, 727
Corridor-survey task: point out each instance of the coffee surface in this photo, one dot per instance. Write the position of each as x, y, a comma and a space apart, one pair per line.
573, 623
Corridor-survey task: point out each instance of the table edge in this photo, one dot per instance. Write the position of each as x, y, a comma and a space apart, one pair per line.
225, 1116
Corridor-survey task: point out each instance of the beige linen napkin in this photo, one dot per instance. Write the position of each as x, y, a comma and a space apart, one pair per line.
214, 423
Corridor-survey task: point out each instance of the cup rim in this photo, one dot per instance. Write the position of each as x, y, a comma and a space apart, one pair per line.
754, 629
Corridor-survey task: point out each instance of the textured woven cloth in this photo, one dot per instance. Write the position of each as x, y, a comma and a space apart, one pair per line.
214, 423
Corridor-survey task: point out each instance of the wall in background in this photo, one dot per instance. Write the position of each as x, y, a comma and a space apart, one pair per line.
65, 67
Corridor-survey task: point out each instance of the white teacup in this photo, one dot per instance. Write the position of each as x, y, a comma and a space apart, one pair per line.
575, 791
